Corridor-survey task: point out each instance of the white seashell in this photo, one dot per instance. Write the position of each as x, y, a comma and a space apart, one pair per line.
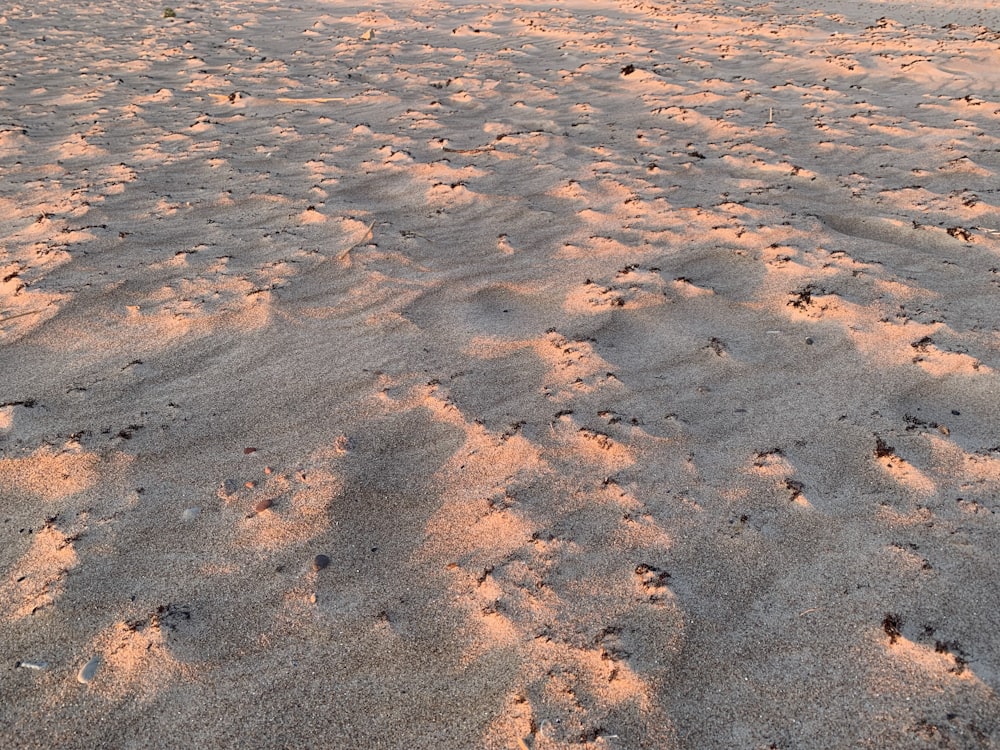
89, 670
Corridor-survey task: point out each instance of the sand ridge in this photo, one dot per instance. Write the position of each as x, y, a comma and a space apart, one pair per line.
634, 365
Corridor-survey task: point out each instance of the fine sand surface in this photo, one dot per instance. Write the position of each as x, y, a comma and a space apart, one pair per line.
631, 367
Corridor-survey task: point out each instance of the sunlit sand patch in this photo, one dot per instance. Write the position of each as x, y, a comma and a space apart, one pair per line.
631, 289
936, 660
479, 524
868, 325
598, 246
157, 97
897, 290
904, 473
565, 687
199, 304
801, 500
37, 579
116, 178
527, 718
640, 532
48, 474
492, 631
440, 404
12, 141
77, 147
514, 725
21, 313
207, 82
967, 472
574, 367
775, 466
684, 287
453, 194
43, 226
135, 659
610, 680
405, 390
941, 363
489, 624
965, 166
763, 169
594, 446
716, 128
312, 216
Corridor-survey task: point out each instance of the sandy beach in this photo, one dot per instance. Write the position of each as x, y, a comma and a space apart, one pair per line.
521, 376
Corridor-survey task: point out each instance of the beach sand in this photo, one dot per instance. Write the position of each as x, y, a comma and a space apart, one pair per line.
517, 375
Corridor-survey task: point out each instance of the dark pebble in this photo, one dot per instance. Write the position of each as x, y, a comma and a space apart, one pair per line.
320, 562
263, 505
956, 412
248, 451
809, 341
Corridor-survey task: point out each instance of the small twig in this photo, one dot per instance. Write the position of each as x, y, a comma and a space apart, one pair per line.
479, 150
239, 95
807, 611
311, 99
20, 315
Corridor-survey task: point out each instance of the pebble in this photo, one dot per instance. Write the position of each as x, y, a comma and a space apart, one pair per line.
190, 514
250, 485
268, 470
248, 451
263, 505
320, 562
89, 670
38, 666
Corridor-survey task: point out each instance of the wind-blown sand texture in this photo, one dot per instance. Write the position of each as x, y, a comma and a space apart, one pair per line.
633, 364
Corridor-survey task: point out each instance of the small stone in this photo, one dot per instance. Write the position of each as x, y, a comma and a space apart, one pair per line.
320, 562
38, 666
88, 671
809, 340
263, 505
250, 485
248, 451
268, 470
190, 514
